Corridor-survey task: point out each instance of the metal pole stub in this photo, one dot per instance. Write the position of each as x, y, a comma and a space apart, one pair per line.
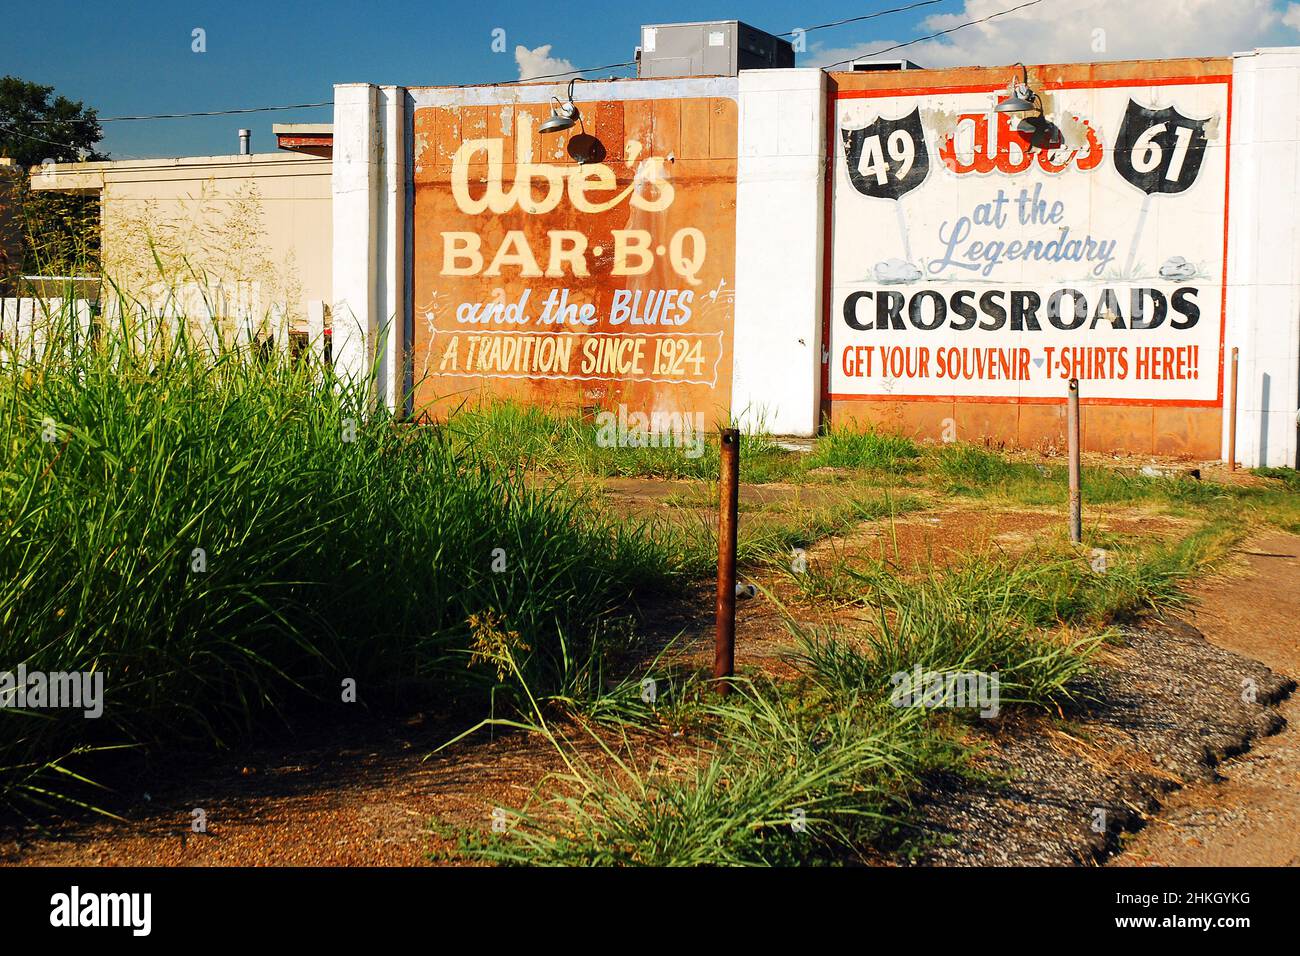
724, 647
1076, 470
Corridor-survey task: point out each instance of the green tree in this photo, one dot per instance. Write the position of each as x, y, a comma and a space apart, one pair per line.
45, 232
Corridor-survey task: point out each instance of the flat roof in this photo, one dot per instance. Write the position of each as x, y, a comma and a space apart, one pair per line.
91, 176
303, 129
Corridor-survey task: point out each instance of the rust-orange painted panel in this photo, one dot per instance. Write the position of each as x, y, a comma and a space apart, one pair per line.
914, 419
668, 126
1188, 432
987, 423
609, 128
446, 133
597, 285
694, 129
723, 128
1193, 433
1116, 429
639, 126
1042, 427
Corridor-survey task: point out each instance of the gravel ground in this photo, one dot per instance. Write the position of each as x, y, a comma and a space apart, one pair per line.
1172, 709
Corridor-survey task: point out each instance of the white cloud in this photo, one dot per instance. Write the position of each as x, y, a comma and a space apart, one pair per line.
539, 62
1069, 31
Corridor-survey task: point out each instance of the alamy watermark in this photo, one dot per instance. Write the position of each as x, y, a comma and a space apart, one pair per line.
624, 429
949, 689
77, 909
55, 690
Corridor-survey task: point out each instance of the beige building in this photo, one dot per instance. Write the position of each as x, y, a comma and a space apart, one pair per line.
245, 239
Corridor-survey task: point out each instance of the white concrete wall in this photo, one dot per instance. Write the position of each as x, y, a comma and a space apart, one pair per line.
777, 341
1263, 315
391, 300
779, 247
368, 309
357, 244
780, 173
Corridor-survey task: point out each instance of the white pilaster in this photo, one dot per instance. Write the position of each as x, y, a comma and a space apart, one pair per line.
776, 383
1263, 316
369, 192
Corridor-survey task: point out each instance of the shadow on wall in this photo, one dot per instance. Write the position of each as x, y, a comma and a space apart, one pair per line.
1265, 384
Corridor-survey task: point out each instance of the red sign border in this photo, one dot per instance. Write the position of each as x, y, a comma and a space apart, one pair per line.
829, 237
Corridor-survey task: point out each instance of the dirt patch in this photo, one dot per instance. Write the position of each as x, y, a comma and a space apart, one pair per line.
914, 542
1250, 814
647, 497
1169, 709
363, 799
952, 535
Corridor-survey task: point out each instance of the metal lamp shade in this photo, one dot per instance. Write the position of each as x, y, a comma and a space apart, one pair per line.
1015, 103
565, 117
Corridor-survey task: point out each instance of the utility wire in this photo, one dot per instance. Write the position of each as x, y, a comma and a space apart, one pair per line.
154, 116
251, 109
866, 16
38, 139
306, 106
575, 72
545, 76
550, 76
932, 36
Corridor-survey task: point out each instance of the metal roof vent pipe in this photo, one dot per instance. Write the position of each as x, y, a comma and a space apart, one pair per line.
245, 138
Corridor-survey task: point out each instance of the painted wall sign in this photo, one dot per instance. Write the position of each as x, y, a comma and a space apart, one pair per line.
1090, 248
549, 281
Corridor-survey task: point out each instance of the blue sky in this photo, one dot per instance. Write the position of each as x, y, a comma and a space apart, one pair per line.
136, 57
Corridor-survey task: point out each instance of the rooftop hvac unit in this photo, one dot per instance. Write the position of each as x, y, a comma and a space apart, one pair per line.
882, 66
714, 48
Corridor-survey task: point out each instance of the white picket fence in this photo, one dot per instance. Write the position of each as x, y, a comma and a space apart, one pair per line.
26, 324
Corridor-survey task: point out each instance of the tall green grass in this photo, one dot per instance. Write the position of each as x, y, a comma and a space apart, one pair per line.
775, 780
1013, 616
819, 769
226, 534
1289, 477
971, 470
844, 448
511, 435
974, 619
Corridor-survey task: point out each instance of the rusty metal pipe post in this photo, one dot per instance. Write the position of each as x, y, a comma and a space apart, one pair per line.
724, 647
1232, 416
1076, 490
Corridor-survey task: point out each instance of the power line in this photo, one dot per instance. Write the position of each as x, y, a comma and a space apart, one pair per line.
49, 142
789, 33
155, 116
530, 79
551, 76
250, 109
306, 106
574, 72
932, 36
867, 16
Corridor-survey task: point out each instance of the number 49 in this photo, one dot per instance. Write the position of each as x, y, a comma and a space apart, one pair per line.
901, 150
